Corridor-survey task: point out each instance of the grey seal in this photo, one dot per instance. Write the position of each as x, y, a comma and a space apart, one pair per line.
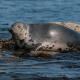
47, 37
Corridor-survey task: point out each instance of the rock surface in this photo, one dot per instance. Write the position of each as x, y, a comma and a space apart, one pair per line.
71, 25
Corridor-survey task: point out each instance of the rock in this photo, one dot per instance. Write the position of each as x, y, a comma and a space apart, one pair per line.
7, 44
71, 25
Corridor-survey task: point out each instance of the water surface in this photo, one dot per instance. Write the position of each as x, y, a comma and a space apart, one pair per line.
38, 11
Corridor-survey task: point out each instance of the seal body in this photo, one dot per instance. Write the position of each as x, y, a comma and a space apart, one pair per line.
45, 36
53, 36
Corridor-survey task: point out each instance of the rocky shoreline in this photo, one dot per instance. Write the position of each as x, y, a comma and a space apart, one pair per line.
71, 25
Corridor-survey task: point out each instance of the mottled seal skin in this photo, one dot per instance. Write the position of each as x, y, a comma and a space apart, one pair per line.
53, 37
50, 37
20, 34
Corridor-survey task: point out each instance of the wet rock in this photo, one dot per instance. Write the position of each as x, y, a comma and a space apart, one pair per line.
7, 44
71, 25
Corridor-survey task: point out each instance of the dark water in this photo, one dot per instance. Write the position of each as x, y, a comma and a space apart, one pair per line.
38, 11
61, 65
35, 11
